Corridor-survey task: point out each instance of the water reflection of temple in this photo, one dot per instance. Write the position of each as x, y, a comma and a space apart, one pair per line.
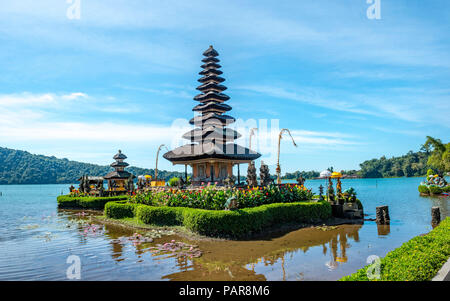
241, 260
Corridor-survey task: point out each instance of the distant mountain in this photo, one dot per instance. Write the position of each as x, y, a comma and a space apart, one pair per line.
21, 167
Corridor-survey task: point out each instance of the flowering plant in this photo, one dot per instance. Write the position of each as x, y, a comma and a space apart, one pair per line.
212, 197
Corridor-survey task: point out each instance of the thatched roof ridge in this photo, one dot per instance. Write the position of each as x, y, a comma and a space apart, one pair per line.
211, 150
211, 52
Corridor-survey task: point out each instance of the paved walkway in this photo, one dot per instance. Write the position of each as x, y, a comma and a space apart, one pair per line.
444, 273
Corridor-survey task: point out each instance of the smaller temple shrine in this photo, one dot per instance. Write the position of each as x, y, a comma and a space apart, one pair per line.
119, 179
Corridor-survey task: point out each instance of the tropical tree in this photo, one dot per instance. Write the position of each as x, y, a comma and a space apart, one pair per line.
439, 157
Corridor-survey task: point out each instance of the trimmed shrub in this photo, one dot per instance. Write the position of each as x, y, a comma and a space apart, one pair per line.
222, 223
435, 189
423, 189
446, 189
165, 216
175, 181
416, 260
65, 201
120, 210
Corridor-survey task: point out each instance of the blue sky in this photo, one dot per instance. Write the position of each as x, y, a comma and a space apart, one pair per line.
348, 87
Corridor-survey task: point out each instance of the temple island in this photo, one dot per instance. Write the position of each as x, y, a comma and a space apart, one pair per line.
212, 202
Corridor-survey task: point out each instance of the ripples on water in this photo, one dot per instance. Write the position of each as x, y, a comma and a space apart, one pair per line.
36, 238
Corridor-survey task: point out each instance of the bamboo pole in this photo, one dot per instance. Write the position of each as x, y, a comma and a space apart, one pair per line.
252, 133
278, 170
157, 155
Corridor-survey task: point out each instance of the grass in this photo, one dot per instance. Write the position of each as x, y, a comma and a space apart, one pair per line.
418, 259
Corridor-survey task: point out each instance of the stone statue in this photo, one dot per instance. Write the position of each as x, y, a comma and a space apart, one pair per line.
101, 190
130, 184
231, 203
87, 187
81, 188
330, 191
251, 175
300, 180
230, 181
264, 175
321, 192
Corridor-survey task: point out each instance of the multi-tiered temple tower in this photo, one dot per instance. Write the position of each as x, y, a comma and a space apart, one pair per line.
117, 178
212, 152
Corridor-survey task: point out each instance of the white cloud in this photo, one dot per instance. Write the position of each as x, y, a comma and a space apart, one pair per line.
39, 100
75, 95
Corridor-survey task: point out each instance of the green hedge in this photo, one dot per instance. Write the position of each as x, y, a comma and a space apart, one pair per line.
435, 189
120, 210
424, 189
416, 260
66, 201
221, 223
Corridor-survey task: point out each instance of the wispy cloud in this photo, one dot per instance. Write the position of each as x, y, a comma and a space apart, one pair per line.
307, 96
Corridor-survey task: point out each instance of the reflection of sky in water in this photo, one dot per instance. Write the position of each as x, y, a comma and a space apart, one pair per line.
36, 240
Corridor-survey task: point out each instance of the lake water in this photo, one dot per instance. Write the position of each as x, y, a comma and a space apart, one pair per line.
36, 239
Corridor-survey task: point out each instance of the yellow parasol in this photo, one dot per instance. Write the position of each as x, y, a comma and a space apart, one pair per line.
335, 175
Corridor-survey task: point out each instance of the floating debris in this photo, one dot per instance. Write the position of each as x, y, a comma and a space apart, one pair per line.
179, 249
29, 227
92, 230
136, 239
48, 236
326, 228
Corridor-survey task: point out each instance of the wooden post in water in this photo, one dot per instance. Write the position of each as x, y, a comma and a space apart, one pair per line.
435, 216
382, 215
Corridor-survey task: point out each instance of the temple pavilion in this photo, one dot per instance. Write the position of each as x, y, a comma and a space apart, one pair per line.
117, 178
212, 152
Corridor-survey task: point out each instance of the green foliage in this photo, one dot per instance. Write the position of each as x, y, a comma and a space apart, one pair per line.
430, 172
66, 201
174, 182
162, 216
120, 210
446, 189
424, 189
223, 223
211, 198
410, 165
20, 167
435, 189
439, 154
305, 174
416, 260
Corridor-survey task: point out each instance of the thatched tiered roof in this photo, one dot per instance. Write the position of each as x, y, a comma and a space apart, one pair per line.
211, 138
119, 168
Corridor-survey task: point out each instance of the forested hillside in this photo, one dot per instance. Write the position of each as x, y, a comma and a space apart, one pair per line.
410, 165
21, 167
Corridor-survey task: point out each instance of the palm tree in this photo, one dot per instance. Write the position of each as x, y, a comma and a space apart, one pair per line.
438, 154
278, 170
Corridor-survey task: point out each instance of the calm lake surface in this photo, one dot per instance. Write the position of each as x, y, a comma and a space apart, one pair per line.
36, 239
